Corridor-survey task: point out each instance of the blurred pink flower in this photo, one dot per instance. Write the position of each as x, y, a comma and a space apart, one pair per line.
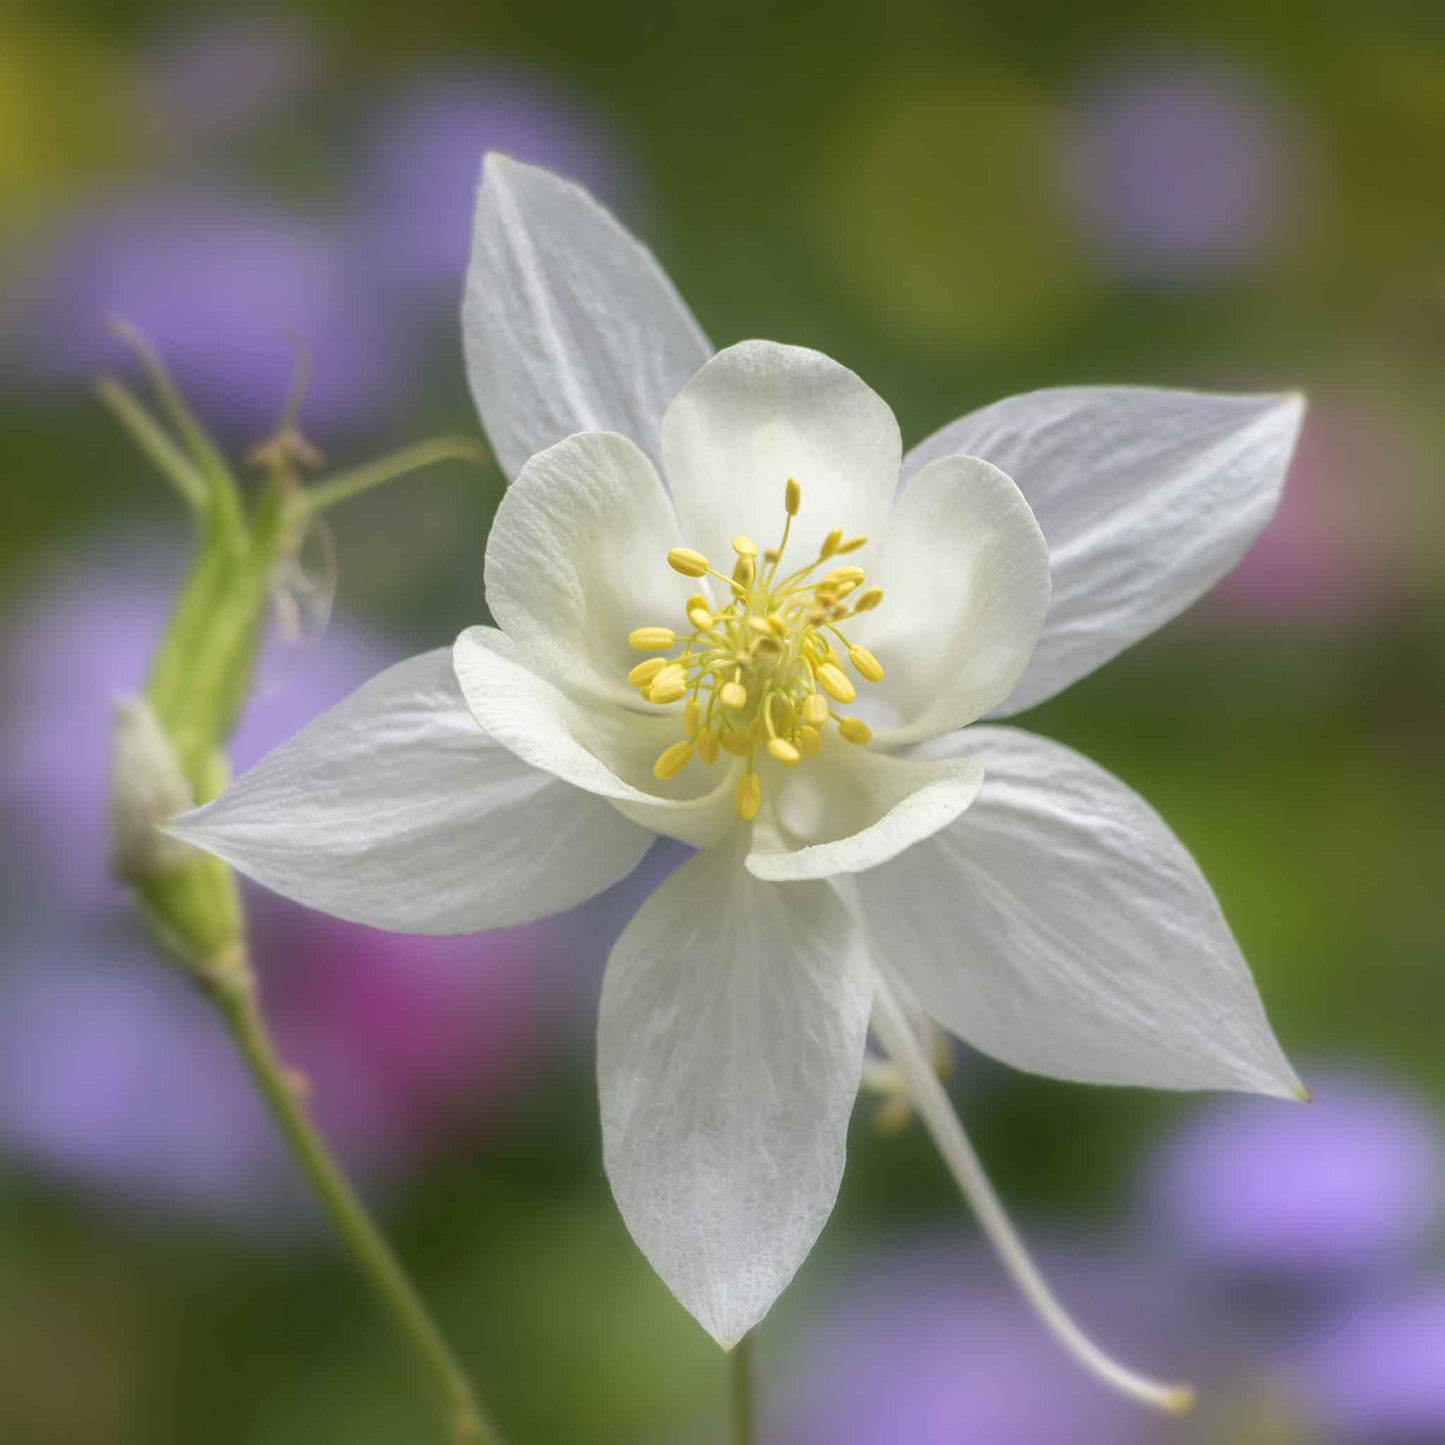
1337, 551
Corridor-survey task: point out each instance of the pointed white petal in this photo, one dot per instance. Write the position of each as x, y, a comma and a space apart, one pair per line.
759, 413
569, 323
1146, 497
730, 1047
577, 558
965, 575
853, 808
396, 810
1060, 926
593, 745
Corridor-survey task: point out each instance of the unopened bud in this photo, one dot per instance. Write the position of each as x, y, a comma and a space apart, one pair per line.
147, 786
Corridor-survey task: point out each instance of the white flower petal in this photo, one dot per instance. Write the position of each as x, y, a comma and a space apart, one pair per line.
577, 558
1146, 497
730, 1047
853, 808
603, 749
759, 413
965, 575
396, 810
569, 323
1060, 926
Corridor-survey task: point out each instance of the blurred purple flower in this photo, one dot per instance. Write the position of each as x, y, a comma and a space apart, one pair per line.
84, 637
209, 80
425, 163
1343, 1191
112, 1073
1376, 1376
115, 1077
931, 1347
1178, 167
217, 283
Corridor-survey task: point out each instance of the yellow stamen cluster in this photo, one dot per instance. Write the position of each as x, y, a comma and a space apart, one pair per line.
764, 671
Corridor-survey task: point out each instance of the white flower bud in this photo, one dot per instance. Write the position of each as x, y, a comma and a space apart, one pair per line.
147, 786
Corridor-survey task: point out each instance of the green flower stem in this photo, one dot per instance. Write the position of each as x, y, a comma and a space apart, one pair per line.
224, 498
233, 987
170, 460
745, 1401
346, 485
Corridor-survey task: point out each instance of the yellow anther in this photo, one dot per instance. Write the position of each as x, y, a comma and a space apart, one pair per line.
749, 795
669, 685
834, 682
688, 562
758, 669
866, 664
651, 639
671, 761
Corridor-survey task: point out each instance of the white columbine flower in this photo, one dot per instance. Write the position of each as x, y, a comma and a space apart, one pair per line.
732, 611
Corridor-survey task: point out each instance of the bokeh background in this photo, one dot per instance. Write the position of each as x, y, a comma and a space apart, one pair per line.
960, 201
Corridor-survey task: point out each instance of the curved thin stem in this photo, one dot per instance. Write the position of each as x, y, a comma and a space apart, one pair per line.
745, 1393
233, 987
345, 485
934, 1107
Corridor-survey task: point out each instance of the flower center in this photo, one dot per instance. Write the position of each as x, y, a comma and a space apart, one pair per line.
767, 669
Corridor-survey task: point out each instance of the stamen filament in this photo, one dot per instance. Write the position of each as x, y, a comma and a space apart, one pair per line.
935, 1109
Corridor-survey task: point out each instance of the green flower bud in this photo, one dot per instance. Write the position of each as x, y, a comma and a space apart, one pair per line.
148, 786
